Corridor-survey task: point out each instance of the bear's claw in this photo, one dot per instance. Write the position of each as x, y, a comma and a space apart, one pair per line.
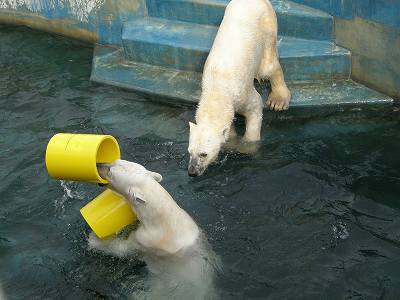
278, 102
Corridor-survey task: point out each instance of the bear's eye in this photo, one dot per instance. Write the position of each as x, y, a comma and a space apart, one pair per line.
203, 155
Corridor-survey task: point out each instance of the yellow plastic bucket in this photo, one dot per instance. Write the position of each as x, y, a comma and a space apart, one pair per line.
74, 156
108, 213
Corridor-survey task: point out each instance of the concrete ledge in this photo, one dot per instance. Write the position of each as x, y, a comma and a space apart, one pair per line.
110, 67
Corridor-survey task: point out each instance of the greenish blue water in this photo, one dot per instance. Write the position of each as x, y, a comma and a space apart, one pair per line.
314, 215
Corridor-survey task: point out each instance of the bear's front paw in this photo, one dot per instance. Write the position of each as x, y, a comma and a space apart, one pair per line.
278, 100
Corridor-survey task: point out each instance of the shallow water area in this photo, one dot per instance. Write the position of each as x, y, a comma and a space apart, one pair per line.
315, 214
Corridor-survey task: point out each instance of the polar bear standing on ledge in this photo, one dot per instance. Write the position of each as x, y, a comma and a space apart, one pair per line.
245, 48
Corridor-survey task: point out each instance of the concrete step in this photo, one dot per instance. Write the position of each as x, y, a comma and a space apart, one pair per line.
185, 46
179, 87
294, 19
342, 8
326, 6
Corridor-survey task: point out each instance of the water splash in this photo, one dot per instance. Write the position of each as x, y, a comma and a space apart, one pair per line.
70, 192
220, 224
340, 231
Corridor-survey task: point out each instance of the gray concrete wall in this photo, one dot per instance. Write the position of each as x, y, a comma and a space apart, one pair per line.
375, 49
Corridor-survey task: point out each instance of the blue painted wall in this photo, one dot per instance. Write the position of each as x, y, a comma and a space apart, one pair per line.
382, 11
94, 20
370, 29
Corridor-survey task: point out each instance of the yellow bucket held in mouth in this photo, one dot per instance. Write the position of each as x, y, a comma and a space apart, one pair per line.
75, 157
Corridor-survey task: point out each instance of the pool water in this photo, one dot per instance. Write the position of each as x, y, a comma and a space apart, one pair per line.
315, 214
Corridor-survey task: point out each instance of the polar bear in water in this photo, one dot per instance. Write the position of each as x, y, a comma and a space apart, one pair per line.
181, 262
245, 48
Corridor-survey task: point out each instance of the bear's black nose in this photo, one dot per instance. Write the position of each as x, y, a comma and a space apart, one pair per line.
192, 172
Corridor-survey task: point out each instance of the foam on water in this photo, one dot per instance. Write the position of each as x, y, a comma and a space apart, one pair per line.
340, 231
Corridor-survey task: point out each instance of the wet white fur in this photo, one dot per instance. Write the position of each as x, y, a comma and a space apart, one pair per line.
167, 239
245, 48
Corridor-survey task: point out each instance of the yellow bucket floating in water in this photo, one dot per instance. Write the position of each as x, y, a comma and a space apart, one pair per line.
108, 213
75, 157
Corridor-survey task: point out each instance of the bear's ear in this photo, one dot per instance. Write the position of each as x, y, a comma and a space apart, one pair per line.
156, 176
192, 126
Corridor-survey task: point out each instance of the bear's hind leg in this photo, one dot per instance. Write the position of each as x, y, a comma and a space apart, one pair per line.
253, 115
